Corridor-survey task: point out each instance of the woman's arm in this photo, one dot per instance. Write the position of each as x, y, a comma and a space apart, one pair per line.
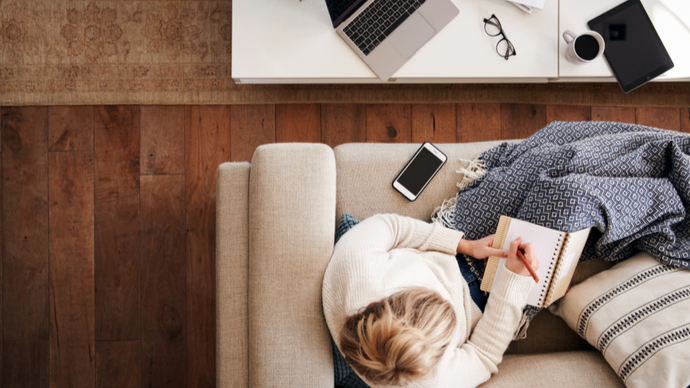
477, 359
384, 232
480, 249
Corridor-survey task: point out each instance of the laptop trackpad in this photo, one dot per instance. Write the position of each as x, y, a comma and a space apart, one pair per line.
411, 35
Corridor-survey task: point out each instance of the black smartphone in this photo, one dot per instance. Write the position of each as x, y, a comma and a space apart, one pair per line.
419, 171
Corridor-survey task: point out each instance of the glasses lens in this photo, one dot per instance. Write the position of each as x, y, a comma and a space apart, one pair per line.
505, 49
492, 27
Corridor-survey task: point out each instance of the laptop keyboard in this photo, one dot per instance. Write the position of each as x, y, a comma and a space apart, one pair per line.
378, 21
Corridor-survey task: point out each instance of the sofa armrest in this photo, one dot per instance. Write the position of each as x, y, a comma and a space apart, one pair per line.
232, 253
291, 231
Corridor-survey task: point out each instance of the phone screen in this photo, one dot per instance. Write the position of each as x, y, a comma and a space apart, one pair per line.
420, 170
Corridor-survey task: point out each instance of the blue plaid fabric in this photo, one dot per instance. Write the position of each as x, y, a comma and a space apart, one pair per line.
345, 377
346, 223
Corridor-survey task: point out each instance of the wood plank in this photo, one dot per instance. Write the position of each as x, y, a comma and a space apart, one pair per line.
665, 118
616, 114
298, 123
72, 326
70, 128
207, 145
343, 123
568, 113
478, 122
163, 282
25, 364
162, 140
117, 242
1, 283
389, 123
118, 364
519, 121
26, 313
435, 123
685, 120
250, 127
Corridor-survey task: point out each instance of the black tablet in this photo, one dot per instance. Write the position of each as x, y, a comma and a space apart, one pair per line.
633, 49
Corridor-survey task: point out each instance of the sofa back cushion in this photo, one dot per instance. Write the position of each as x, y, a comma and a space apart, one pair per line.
365, 172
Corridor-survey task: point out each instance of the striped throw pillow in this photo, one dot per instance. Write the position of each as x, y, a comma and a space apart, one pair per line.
637, 314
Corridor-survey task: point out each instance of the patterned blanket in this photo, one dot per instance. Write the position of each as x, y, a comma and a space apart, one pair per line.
630, 183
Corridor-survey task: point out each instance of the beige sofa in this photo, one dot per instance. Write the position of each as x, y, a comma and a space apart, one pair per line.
276, 220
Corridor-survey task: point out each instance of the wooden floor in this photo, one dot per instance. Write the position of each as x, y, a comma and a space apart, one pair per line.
108, 222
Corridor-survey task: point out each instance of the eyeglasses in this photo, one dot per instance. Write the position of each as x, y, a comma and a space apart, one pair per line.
493, 28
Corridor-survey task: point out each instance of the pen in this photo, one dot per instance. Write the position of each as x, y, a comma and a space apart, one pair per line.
529, 267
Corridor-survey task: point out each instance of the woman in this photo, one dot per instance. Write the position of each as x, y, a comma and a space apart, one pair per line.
401, 313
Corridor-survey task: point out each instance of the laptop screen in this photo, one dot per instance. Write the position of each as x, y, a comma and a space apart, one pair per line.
342, 9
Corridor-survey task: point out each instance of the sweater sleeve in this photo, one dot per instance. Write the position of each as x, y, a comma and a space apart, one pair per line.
476, 360
384, 232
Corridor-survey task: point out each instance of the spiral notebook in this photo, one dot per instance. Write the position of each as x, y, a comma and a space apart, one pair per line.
558, 254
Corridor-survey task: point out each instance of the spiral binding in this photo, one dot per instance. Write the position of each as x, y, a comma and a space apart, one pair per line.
557, 273
549, 275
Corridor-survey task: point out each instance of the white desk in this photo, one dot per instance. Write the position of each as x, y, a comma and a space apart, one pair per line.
288, 41
671, 19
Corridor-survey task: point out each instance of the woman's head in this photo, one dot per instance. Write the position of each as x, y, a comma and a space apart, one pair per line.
399, 339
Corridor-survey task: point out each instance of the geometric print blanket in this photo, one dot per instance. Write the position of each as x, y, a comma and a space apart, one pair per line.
630, 183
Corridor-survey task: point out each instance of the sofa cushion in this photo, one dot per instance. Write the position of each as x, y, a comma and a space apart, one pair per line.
563, 370
291, 231
638, 315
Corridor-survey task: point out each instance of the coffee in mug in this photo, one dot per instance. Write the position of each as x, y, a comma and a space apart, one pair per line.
586, 47
583, 48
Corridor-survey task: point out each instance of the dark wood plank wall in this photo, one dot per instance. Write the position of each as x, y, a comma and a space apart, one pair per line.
108, 221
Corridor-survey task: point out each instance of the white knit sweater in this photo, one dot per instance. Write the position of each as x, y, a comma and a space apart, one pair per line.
387, 253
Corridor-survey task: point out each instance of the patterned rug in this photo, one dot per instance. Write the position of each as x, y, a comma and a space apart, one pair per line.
113, 51
179, 52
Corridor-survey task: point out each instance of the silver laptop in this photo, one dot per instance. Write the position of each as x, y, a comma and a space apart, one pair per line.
386, 33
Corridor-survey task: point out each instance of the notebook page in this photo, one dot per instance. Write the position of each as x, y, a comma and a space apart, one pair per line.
546, 242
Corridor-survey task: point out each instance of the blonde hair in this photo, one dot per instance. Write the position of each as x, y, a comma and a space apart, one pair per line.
399, 339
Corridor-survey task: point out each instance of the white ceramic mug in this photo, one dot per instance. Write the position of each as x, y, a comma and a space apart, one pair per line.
571, 53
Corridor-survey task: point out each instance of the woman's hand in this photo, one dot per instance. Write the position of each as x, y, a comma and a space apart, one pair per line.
480, 249
514, 264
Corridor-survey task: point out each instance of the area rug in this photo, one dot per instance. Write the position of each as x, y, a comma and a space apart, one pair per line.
73, 52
